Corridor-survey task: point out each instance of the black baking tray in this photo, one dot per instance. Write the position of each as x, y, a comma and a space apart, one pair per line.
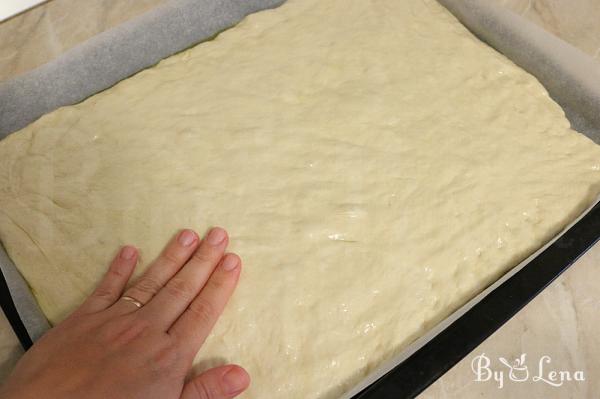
438, 355
9, 309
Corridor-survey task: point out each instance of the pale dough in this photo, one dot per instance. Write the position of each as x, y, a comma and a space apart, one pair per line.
375, 164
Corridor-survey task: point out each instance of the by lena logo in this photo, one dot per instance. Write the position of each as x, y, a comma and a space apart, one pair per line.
517, 371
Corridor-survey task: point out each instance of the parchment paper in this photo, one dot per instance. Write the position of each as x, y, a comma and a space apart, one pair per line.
571, 77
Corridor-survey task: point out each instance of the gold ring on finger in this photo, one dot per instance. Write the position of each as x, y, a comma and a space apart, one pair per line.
132, 300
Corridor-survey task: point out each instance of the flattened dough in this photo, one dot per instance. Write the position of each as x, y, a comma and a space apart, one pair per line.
375, 164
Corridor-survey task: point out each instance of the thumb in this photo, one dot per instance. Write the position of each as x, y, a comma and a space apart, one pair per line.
219, 383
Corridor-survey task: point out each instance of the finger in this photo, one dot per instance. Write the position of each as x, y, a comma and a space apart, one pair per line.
181, 290
171, 259
196, 322
113, 283
219, 383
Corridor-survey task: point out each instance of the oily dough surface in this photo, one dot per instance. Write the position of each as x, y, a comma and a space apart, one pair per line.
375, 164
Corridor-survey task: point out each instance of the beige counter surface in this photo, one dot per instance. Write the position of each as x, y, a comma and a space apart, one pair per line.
561, 323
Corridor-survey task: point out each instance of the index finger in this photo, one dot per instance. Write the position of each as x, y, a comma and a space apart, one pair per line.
197, 321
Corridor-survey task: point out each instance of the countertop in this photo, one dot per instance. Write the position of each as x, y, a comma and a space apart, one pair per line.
558, 329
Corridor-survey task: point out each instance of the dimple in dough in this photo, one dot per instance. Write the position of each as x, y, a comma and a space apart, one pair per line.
375, 164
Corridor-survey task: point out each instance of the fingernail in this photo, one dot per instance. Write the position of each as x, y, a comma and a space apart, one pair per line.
230, 262
216, 236
128, 253
235, 380
186, 238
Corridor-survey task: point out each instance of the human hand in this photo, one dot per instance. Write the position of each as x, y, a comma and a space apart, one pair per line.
110, 348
